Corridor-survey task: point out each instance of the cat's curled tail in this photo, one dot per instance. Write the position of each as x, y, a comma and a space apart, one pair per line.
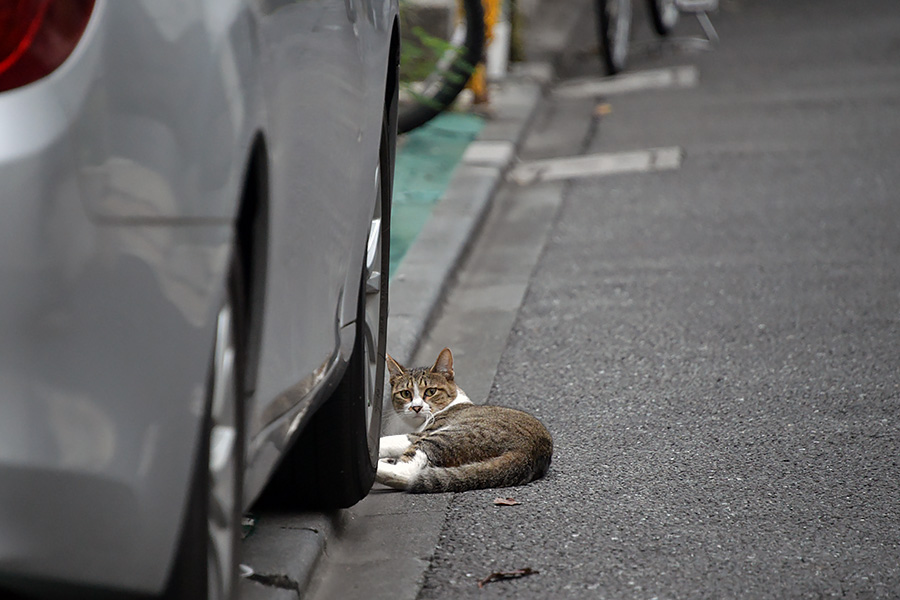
509, 469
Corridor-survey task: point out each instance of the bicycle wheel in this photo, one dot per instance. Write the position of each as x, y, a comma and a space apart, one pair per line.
440, 50
614, 33
664, 14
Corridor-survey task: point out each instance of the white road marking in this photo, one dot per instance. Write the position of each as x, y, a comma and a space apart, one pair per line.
489, 154
698, 5
554, 169
684, 76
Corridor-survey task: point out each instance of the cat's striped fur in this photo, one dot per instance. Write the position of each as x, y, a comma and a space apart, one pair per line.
458, 445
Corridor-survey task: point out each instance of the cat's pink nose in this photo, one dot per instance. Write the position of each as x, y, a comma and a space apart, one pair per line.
416, 409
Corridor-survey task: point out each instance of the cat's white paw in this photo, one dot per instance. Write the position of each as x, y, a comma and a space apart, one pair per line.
386, 473
392, 446
399, 474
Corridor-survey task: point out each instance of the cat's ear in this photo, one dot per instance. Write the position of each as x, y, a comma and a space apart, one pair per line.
444, 364
394, 368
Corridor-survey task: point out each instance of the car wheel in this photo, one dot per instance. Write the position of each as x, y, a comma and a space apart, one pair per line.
333, 463
207, 562
664, 14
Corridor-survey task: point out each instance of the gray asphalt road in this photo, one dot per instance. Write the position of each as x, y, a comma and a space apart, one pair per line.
715, 349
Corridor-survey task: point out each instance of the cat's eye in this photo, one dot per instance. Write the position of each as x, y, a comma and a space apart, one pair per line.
405, 394
430, 392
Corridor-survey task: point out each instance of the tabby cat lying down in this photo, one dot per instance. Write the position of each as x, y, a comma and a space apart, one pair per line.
459, 445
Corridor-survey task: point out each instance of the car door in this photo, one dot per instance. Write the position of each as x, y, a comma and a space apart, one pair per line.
317, 135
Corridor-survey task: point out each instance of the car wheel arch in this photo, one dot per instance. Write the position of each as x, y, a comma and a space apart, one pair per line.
251, 231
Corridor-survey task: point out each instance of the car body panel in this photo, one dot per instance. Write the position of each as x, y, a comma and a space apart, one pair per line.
120, 178
343, 119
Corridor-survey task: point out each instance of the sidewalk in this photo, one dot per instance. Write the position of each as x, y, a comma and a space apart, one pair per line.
447, 174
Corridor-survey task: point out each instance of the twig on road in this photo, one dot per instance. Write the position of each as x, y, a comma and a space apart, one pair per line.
500, 576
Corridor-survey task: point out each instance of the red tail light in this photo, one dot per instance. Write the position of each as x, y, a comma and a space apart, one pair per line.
36, 36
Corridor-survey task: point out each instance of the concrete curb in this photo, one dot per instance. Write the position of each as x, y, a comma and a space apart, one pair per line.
435, 254
285, 563
432, 259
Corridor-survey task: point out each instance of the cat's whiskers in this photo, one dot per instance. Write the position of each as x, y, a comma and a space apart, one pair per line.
394, 423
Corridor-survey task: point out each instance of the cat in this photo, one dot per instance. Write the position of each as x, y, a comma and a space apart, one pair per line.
457, 445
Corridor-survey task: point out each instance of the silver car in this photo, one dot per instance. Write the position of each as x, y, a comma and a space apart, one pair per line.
194, 215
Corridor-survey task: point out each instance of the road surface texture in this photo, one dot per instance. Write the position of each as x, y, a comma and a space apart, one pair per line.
712, 340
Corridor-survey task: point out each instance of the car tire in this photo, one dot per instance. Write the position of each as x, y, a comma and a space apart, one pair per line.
332, 464
614, 33
206, 565
664, 14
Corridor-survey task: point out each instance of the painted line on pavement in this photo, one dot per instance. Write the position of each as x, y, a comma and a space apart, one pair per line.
555, 169
489, 153
669, 77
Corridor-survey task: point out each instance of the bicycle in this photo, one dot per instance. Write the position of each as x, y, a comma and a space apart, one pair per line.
436, 61
614, 28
